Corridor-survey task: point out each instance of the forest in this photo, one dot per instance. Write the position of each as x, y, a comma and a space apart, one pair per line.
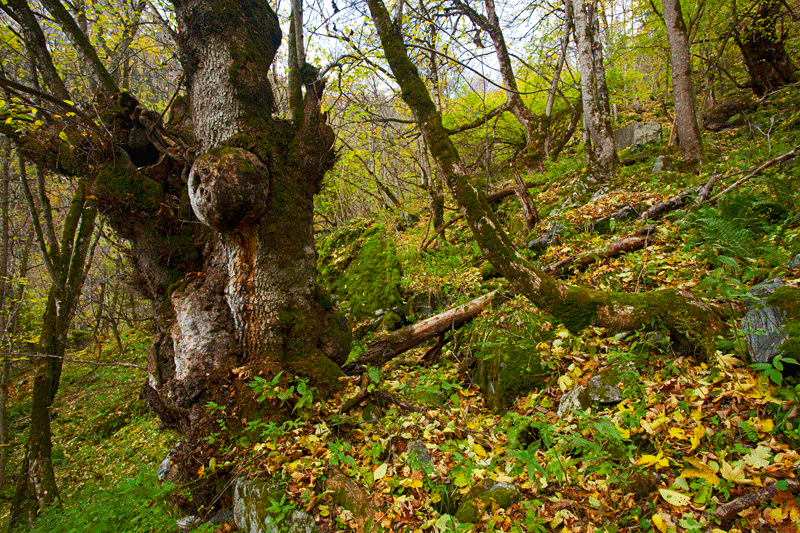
456, 266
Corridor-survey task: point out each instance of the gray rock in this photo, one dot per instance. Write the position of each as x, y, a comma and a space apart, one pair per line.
574, 400
795, 262
420, 453
552, 235
762, 325
624, 213
636, 133
223, 516
658, 166
166, 464
189, 523
602, 389
252, 499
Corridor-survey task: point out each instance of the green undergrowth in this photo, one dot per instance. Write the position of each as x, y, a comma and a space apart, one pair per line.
106, 443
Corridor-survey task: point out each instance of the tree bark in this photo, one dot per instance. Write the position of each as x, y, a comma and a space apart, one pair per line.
218, 207
67, 262
682, 84
764, 50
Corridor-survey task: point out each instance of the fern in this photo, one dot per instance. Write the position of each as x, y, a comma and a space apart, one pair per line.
726, 237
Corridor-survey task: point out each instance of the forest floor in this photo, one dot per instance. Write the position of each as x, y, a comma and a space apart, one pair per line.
688, 437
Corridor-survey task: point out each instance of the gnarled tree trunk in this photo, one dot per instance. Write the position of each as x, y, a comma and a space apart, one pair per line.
217, 205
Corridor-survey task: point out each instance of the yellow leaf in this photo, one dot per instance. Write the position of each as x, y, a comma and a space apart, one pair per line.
660, 523
733, 474
674, 498
659, 461
767, 425
201, 470
380, 472
697, 435
478, 449
564, 383
212, 463
460, 481
700, 470
677, 433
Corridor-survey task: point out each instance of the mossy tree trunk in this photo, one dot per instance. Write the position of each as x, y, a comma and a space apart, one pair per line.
763, 47
576, 307
217, 205
67, 262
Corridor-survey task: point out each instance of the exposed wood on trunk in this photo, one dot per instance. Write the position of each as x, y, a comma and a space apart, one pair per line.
385, 349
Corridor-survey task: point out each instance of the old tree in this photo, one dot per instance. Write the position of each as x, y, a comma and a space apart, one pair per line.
217, 205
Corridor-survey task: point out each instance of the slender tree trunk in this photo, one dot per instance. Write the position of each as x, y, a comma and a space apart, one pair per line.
5, 341
594, 94
682, 84
67, 265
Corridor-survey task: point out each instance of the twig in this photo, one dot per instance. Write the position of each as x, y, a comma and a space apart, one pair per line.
772, 162
81, 361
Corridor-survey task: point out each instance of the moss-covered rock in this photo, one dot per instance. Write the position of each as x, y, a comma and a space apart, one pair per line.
260, 506
483, 497
505, 347
360, 267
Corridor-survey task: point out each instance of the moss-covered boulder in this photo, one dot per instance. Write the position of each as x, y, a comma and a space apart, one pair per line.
260, 506
359, 266
484, 497
505, 346
350, 495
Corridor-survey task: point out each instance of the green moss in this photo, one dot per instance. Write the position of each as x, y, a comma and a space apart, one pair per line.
361, 268
577, 309
505, 346
119, 181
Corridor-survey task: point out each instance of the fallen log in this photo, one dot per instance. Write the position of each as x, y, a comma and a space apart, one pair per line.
383, 350
616, 248
676, 202
726, 513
